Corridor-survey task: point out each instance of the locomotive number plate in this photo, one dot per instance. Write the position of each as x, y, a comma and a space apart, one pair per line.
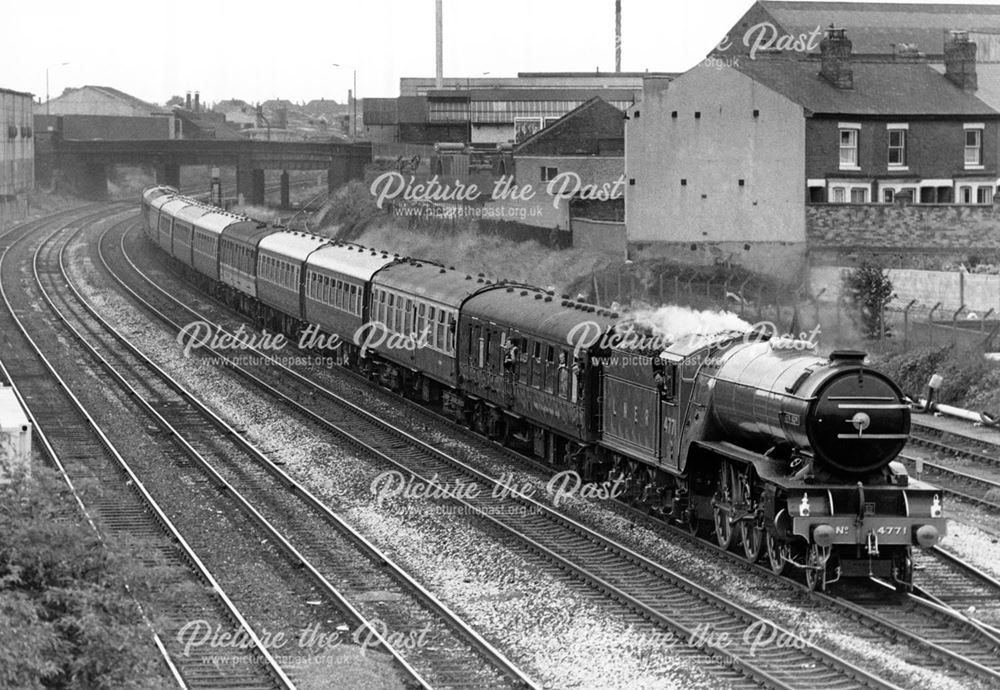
892, 529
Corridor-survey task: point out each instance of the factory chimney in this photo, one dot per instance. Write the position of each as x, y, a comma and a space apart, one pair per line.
439, 23
618, 35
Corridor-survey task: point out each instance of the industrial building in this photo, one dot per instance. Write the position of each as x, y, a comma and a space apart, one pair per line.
17, 154
487, 111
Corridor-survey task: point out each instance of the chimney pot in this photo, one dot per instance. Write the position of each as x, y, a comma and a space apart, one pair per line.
960, 60
835, 56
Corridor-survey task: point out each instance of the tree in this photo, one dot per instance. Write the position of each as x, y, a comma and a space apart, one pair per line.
868, 290
175, 100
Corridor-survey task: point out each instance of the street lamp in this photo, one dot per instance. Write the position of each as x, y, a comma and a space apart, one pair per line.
58, 64
355, 92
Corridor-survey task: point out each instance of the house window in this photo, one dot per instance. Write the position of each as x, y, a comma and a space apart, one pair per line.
859, 195
888, 195
549, 174
973, 147
839, 195
965, 194
848, 148
897, 147
984, 195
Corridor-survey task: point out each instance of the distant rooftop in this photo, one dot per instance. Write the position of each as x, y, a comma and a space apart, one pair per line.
16, 93
873, 27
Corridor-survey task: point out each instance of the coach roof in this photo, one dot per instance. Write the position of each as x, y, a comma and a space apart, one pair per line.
430, 281
536, 312
292, 245
351, 260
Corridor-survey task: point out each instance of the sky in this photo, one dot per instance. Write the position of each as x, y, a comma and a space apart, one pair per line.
287, 49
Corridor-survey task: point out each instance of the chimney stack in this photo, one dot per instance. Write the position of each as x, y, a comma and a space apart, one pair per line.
618, 35
835, 55
960, 60
439, 25
187, 101
197, 102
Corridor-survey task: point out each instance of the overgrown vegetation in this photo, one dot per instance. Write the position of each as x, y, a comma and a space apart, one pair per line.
66, 620
349, 212
969, 380
868, 290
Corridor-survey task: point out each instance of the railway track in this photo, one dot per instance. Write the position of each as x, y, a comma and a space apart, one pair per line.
960, 647
670, 600
120, 506
340, 562
934, 439
977, 489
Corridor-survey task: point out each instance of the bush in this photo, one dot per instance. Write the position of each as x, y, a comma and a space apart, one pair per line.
66, 620
868, 290
963, 372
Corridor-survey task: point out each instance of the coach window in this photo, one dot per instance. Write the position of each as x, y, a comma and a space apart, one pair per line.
550, 369
522, 364
449, 334
481, 356
537, 372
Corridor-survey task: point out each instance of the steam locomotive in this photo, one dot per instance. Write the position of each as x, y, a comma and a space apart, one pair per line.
782, 454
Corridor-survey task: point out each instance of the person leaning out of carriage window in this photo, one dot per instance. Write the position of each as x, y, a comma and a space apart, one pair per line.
510, 357
563, 376
578, 368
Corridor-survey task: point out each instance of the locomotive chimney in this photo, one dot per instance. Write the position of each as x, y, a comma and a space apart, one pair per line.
187, 101
197, 101
960, 60
835, 56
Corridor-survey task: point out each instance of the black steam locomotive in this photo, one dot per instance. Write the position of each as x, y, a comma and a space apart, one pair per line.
775, 451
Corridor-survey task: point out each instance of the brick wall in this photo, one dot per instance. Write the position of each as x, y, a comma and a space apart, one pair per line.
909, 228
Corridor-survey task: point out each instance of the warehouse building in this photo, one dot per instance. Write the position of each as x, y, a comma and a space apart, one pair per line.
17, 154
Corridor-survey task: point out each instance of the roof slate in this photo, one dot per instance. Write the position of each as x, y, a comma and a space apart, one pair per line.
874, 27
880, 88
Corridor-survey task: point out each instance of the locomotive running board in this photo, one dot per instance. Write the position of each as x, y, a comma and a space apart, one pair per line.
766, 467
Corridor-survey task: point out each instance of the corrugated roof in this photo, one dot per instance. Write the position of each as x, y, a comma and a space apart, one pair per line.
880, 88
122, 96
874, 27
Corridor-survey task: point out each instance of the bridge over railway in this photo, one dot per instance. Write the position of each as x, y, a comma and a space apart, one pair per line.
85, 163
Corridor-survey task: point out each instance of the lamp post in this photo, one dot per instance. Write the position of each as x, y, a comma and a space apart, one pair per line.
59, 64
354, 91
